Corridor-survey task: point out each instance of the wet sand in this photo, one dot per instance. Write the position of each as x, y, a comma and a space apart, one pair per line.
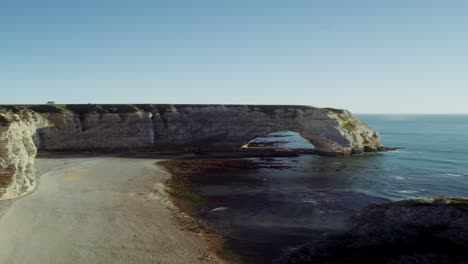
96, 210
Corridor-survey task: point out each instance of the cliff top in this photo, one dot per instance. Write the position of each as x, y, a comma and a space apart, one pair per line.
134, 108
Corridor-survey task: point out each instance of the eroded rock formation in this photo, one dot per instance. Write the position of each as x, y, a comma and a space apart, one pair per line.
164, 127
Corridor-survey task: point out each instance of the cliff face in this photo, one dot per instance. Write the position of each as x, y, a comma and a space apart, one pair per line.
17, 152
166, 127
195, 128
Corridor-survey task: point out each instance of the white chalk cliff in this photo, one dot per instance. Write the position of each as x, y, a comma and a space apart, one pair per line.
166, 127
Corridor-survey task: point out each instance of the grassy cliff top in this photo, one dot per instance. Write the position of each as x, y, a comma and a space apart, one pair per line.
135, 108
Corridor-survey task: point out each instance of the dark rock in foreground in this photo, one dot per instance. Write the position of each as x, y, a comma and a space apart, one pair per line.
431, 230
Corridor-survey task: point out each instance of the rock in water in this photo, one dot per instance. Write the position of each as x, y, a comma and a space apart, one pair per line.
431, 230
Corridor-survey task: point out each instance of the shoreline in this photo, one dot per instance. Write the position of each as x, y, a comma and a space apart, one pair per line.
183, 200
47, 162
164, 181
183, 196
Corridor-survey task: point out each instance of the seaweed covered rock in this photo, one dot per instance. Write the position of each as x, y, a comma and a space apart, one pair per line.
433, 230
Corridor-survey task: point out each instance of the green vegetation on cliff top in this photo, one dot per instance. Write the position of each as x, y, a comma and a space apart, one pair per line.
134, 108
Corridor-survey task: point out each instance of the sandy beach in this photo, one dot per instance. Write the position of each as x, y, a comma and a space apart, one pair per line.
95, 210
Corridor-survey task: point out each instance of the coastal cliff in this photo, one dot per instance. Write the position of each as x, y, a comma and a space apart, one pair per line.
191, 128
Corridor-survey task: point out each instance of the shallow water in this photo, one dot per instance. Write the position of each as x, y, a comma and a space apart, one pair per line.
264, 212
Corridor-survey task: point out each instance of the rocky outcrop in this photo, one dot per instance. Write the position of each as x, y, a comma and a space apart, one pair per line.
433, 230
17, 152
192, 128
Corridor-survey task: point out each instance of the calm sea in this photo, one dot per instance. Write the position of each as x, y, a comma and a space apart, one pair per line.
267, 211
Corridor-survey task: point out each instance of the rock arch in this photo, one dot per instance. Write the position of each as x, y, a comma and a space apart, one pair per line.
282, 139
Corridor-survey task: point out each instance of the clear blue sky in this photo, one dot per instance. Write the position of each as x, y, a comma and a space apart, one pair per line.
376, 56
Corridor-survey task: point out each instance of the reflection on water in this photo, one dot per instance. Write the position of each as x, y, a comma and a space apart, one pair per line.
269, 210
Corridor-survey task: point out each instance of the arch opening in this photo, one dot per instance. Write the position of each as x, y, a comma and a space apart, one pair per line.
286, 140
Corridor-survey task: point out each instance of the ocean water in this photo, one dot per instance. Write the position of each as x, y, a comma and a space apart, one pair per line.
265, 212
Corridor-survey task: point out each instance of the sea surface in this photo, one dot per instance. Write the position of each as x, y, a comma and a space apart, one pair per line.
264, 213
